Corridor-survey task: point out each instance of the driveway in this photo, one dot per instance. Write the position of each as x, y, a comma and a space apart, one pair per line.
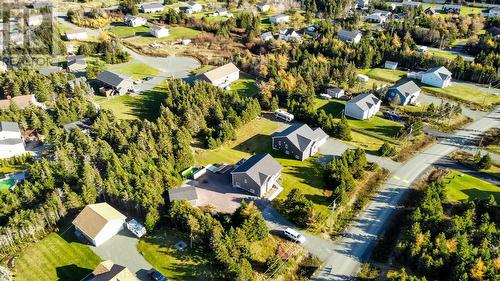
122, 250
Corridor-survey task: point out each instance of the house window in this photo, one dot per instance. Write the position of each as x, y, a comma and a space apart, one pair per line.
286, 145
296, 157
245, 181
287, 152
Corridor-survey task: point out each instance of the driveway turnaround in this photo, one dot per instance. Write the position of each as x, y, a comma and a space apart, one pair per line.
122, 250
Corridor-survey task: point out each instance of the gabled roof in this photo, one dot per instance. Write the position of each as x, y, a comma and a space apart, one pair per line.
266, 34
301, 136
259, 167
21, 101
220, 72
9, 127
364, 101
112, 78
441, 71
94, 217
181, 193
336, 90
157, 27
495, 31
407, 88
152, 6
109, 271
391, 62
80, 59
346, 35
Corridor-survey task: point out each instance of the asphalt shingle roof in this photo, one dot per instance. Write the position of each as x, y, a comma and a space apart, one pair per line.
407, 88
441, 71
112, 78
9, 127
259, 167
364, 101
347, 35
302, 135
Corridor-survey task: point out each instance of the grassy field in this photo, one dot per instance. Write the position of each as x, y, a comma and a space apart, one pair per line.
56, 258
463, 187
442, 54
176, 32
464, 93
137, 70
245, 86
382, 74
190, 264
126, 31
254, 137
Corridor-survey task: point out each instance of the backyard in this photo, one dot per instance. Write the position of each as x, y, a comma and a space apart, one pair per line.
465, 93
460, 187
56, 257
127, 31
245, 86
382, 74
136, 70
176, 32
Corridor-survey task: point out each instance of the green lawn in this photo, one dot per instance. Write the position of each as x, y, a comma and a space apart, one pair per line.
137, 70
464, 93
245, 86
208, 18
460, 186
442, 54
56, 258
190, 264
125, 31
382, 74
146, 105
176, 32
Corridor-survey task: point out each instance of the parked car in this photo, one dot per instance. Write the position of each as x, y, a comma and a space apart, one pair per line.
148, 78
155, 275
294, 235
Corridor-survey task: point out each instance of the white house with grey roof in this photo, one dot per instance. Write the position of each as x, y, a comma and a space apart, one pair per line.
77, 63
120, 83
11, 141
391, 65
362, 106
152, 8
299, 141
159, 31
438, 77
257, 175
349, 36
494, 12
266, 36
289, 34
378, 16
403, 93
134, 21
221, 76
277, 19
335, 92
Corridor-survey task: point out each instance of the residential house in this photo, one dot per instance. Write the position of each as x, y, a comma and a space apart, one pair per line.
84, 125
222, 76
20, 101
41, 4
279, 19
152, 8
289, 34
35, 20
349, 36
98, 223
77, 34
453, 9
134, 21
494, 12
159, 31
390, 65
403, 93
109, 271
50, 70
266, 36
494, 31
3, 66
193, 7
335, 92
411, 4
263, 7
11, 141
299, 141
257, 175
187, 193
221, 13
378, 16
362, 106
77, 63
438, 77
362, 78
120, 83
360, 4
430, 11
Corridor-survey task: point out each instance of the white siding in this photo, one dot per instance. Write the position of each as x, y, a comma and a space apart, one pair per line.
108, 231
434, 80
8, 151
224, 81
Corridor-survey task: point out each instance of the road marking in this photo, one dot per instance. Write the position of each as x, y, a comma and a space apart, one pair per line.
396, 177
406, 181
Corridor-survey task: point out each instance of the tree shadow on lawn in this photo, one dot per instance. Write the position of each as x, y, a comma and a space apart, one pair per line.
146, 105
481, 194
259, 143
333, 107
71, 272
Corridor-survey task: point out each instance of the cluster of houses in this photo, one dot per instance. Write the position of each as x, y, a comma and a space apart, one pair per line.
19, 24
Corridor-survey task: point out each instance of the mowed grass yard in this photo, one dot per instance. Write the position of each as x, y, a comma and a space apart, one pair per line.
190, 264
255, 137
136, 70
245, 86
442, 54
460, 187
382, 74
465, 93
56, 257
176, 32
126, 31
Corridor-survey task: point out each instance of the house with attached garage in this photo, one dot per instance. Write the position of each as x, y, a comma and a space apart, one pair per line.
159, 31
98, 223
221, 76
152, 8
77, 63
11, 141
134, 21
362, 106
299, 141
438, 77
120, 83
257, 175
109, 271
349, 36
404, 93
279, 19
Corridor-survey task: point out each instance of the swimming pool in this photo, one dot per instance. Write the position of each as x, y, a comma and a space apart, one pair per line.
5, 184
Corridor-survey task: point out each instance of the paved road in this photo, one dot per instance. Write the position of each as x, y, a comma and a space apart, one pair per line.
361, 236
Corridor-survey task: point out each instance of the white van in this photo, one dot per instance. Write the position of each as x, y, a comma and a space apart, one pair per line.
294, 235
280, 113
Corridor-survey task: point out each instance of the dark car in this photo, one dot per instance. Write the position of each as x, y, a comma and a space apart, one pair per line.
148, 78
155, 275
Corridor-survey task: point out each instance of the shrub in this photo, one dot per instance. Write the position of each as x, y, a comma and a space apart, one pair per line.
386, 150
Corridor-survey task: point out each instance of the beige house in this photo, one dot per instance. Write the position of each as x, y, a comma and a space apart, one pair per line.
21, 101
77, 34
109, 271
98, 223
222, 76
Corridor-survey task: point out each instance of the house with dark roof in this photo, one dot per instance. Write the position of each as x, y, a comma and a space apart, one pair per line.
50, 70
183, 193
494, 12
451, 8
289, 34
438, 77
120, 83
11, 142
430, 11
77, 63
152, 8
299, 141
362, 106
257, 175
404, 93
349, 36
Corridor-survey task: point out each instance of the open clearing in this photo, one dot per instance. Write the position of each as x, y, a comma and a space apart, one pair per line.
56, 258
126, 31
382, 74
464, 93
463, 187
137, 70
176, 32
